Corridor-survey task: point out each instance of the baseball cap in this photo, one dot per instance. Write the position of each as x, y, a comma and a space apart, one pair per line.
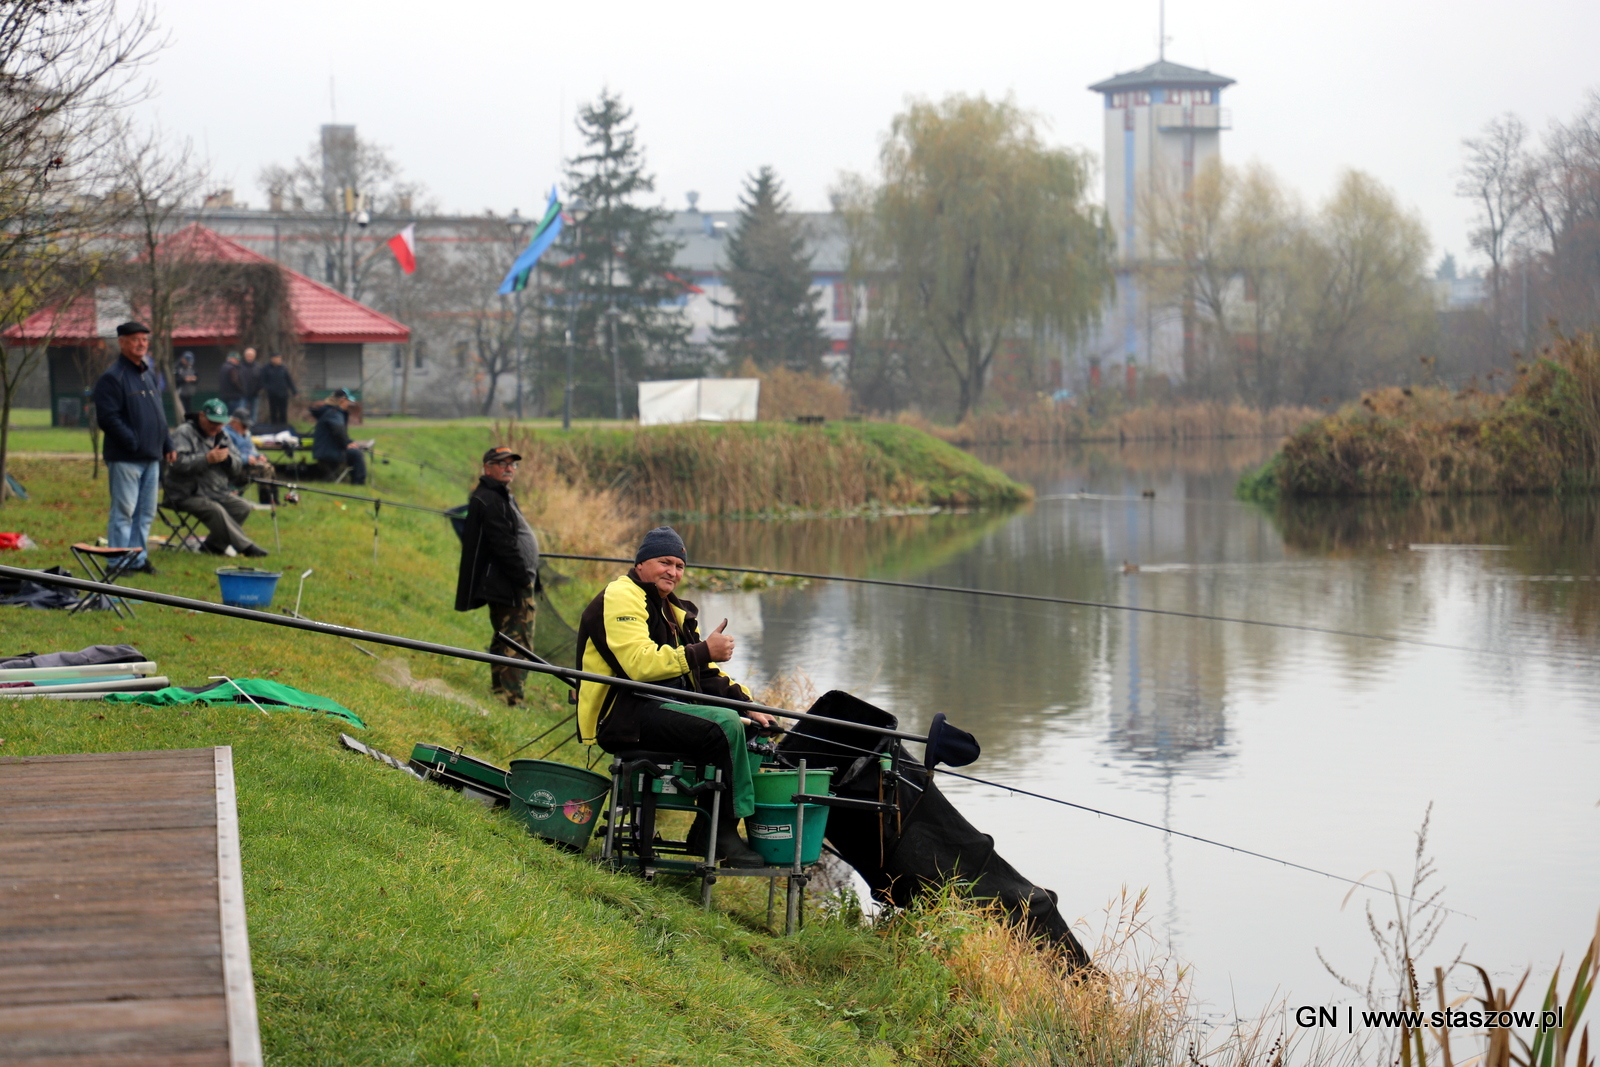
129, 328
215, 410
340, 394
243, 414
499, 454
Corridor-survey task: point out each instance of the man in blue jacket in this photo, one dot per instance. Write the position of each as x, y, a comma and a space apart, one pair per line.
127, 404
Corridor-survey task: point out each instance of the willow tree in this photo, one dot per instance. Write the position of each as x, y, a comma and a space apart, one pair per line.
979, 233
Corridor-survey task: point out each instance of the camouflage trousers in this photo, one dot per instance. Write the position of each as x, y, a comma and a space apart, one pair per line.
516, 622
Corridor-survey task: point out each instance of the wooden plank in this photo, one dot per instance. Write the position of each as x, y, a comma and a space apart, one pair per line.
244, 1036
171, 1030
103, 757
122, 927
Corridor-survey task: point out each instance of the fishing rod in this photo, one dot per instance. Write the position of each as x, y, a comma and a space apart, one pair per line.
298, 488
570, 675
1041, 598
1018, 791
1193, 837
434, 648
928, 587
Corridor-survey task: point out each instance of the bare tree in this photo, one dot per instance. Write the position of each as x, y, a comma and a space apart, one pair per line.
338, 184
65, 67
1292, 306
1498, 178
500, 324
154, 180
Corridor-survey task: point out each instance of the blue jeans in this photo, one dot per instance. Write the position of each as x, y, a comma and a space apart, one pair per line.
133, 504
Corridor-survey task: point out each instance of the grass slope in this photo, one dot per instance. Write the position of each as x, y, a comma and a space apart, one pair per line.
394, 922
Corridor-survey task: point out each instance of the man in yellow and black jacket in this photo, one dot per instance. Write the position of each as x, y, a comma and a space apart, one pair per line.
637, 628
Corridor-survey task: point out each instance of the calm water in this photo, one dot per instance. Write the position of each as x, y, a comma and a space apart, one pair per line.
1320, 749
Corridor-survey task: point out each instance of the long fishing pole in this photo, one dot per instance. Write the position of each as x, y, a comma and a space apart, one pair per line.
1041, 598
571, 675
1191, 837
299, 488
373, 636
929, 587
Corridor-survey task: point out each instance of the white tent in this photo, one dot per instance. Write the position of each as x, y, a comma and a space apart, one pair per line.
699, 400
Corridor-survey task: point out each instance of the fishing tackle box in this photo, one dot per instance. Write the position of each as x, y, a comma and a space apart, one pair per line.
449, 767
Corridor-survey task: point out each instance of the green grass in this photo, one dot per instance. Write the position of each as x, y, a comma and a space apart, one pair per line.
395, 922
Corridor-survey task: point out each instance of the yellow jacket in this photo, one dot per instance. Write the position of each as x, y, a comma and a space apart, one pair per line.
631, 631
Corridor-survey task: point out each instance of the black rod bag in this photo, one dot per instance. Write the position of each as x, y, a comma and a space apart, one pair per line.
930, 843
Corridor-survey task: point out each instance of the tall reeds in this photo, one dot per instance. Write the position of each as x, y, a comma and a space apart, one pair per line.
1542, 436
764, 468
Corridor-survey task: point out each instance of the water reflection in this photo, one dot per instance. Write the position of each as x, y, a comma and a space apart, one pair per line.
1242, 733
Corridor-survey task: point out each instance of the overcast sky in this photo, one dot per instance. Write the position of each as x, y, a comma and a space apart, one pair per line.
475, 99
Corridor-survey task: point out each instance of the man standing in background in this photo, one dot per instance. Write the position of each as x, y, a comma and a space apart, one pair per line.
250, 383
279, 386
187, 381
499, 567
230, 382
127, 404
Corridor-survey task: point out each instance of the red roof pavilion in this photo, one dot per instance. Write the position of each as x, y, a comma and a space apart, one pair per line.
321, 315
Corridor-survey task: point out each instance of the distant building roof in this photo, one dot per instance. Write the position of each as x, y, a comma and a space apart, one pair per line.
704, 235
1162, 73
322, 315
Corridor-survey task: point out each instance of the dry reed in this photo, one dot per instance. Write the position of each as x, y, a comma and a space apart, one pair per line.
760, 469
787, 394
1542, 436
1016, 1004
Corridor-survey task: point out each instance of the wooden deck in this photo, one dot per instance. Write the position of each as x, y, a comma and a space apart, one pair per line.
122, 933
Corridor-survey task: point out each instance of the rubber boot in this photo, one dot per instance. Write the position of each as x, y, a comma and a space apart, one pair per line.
731, 849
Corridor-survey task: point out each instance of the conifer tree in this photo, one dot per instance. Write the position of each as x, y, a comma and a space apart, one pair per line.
776, 318
618, 259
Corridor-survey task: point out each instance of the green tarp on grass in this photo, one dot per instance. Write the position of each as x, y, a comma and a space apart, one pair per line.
267, 694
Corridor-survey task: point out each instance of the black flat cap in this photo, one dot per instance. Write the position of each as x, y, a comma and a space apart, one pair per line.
128, 329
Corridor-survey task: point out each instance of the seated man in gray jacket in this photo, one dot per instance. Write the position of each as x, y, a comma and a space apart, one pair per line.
202, 478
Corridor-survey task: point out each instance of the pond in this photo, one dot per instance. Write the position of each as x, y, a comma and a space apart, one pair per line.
1476, 690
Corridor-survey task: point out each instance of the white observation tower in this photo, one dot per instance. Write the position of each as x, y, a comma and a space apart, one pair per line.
1162, 123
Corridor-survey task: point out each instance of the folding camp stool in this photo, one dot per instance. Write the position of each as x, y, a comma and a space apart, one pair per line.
183, 527
103, 565
644, 783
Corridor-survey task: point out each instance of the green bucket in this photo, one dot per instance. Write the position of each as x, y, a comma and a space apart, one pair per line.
556, 801
777, 786
771, 832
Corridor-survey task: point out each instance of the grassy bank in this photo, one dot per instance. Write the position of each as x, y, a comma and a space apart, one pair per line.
1071, 423
768, 468
392, 921
1541, 436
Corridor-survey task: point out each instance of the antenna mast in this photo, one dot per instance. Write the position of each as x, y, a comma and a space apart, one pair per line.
1161, 43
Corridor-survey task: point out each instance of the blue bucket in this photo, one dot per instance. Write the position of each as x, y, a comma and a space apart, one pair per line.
246, 587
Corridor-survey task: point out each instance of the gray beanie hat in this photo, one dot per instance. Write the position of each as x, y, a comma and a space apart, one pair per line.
662, 541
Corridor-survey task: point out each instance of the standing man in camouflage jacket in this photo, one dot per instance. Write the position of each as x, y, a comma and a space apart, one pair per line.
499, 567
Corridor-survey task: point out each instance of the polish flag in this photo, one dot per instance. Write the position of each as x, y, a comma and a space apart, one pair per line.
404, 247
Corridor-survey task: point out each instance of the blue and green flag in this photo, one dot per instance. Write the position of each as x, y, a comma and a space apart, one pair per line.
544, 235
